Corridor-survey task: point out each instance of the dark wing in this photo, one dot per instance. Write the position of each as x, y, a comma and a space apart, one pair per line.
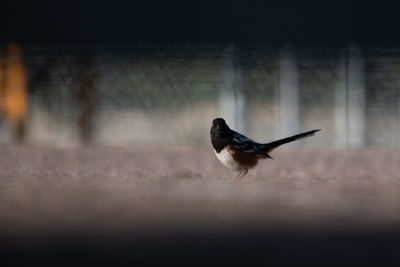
248, 146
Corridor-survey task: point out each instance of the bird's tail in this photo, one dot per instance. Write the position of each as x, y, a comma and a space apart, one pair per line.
271, 146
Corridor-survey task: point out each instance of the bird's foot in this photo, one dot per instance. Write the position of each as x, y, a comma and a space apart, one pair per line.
241, 174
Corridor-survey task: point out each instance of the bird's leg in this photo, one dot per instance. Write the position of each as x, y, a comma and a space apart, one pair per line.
238, 176
243, 173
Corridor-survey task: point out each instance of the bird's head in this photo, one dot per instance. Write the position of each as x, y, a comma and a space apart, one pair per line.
219, 126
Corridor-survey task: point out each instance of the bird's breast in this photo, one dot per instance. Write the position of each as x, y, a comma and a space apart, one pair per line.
226, 157
235, 159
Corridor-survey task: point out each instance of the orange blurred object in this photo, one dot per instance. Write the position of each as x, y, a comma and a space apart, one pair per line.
14, 89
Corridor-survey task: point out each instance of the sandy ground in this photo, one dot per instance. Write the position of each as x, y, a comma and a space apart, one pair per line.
182, 197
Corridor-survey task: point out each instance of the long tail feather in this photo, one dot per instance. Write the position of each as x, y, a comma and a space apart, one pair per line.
275, 144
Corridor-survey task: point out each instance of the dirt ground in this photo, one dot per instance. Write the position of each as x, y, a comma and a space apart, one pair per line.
161, 200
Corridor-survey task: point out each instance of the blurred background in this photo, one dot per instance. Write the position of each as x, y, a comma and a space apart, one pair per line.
169, 93
120, 73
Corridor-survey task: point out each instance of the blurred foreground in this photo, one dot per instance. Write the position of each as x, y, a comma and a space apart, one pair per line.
169, 204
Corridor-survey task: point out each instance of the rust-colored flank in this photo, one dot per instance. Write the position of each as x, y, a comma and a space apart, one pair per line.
241, 158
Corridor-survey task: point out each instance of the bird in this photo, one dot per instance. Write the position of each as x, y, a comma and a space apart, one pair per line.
241, 153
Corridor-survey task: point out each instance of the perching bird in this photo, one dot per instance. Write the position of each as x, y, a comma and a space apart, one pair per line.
240, 153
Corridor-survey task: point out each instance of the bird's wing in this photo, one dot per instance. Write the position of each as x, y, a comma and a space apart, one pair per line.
248, 146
